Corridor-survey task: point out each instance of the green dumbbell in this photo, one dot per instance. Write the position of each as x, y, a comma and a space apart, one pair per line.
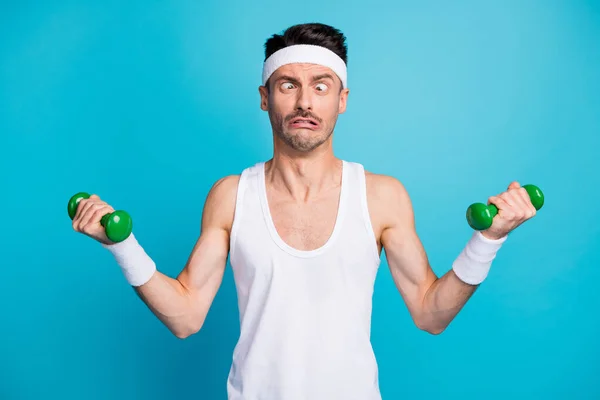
118, 224
480, 216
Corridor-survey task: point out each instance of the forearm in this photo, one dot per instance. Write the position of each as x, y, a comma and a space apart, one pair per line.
166, 297
447, 295
443, 300
172, 304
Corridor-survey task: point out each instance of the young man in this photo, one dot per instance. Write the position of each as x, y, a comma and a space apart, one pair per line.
304, 232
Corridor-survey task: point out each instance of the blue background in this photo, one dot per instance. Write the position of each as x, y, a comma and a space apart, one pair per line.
147, 103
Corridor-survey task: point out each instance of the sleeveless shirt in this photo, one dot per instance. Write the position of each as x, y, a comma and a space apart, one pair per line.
305, 315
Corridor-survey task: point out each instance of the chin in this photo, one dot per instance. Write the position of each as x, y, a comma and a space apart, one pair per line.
306, 145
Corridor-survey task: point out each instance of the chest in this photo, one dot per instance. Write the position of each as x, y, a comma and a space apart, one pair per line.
305, 225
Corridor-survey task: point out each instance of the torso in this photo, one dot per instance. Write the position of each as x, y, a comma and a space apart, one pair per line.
304, 225
308, 226
304, 274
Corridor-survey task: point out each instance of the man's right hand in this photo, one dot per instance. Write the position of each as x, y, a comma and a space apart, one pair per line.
87, 218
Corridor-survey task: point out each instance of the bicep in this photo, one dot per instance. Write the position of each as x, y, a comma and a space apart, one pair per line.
408, 264
203, 273
204, 270
405, 254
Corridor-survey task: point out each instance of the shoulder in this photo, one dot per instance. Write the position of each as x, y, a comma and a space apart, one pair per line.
219, 206
388, 198
224, 186
386, 188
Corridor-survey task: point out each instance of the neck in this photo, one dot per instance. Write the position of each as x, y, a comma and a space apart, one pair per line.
304, 175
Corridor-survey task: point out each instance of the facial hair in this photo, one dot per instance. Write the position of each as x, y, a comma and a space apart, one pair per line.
299, 142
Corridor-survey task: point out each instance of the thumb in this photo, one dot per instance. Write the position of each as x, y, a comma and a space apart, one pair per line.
94, 197
514, 185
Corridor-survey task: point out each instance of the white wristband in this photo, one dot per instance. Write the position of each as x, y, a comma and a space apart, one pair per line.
136, 265
474, 262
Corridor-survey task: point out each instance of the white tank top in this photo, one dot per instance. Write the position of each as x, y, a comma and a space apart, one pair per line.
305, 316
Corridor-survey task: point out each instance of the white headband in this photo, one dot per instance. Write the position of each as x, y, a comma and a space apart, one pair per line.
305, 53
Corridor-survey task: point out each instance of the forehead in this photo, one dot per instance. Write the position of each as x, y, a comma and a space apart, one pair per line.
302, 71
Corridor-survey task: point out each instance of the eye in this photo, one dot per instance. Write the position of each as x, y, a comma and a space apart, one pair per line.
322, 87
287, 85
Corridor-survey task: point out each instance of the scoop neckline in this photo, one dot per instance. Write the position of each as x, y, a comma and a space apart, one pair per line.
271, 225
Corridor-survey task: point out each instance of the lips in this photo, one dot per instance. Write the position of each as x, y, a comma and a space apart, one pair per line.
306, 123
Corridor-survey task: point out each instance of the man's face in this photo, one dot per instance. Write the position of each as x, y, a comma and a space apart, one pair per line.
303, 102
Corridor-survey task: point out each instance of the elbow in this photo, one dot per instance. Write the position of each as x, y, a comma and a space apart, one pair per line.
430, 327
434, 330
186, 330
182, 334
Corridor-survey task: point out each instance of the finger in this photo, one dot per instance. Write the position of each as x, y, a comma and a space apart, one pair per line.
514, 185
96, 215
530, 210
90, 217
509, 199
521, 208
81, 206
505, 210
78, 211
516, 204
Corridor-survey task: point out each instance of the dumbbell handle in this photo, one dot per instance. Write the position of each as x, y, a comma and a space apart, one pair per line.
118, 225
480, 216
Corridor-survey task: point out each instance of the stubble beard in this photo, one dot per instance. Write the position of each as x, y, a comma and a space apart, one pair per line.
298, 141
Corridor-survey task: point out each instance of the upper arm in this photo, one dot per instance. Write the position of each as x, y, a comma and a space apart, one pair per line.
203, 273
393, 215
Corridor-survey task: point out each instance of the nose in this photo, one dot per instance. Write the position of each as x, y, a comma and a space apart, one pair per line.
304, 101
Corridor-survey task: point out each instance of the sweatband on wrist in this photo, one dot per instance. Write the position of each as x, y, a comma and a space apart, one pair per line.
136, 265
475, 260
305, 53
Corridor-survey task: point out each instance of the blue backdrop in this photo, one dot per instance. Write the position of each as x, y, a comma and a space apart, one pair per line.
147, 103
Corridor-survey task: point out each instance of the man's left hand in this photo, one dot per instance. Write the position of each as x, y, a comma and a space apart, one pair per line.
514, 207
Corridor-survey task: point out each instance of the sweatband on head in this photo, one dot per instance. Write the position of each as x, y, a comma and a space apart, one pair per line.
305, 53
474, 262
135, 264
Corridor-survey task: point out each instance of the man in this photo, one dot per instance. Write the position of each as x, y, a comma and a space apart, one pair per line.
304, 232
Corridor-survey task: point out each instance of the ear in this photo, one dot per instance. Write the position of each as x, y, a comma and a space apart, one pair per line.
343, 100
264, 98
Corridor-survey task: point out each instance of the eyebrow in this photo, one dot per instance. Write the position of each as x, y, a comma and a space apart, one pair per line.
323, 76
314, 78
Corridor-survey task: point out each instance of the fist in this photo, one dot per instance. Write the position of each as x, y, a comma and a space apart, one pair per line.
87, 218
514, 207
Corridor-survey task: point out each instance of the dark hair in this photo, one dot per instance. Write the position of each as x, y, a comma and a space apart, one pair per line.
310, 33
313, 33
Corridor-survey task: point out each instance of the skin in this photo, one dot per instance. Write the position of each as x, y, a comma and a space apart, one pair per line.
303, 181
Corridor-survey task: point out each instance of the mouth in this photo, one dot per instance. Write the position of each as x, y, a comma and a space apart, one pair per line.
304, 123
